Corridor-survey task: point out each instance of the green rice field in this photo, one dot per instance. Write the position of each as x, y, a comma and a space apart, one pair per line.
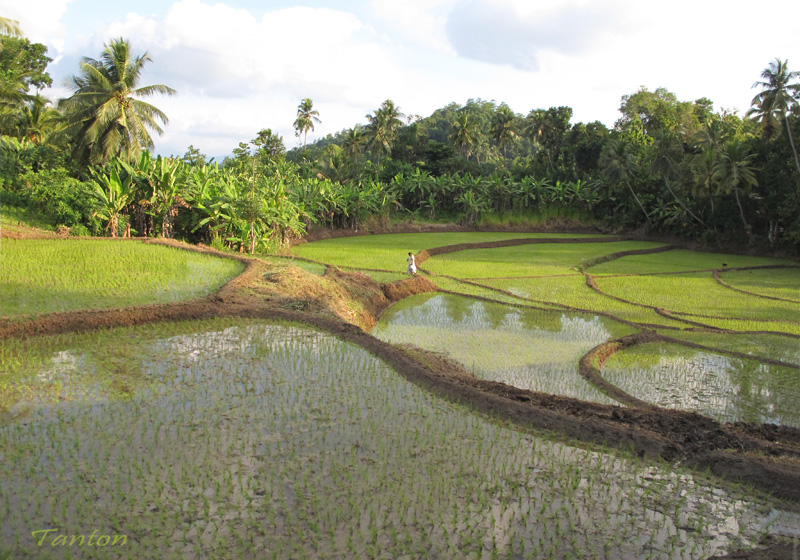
52, 275
549, 277
235, 438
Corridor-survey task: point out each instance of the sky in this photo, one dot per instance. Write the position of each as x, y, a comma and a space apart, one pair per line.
240, 66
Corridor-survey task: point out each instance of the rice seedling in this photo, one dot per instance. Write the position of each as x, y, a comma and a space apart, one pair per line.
572, 291
387, 252
50, 275
698, 296
679, 260
781, 282
260, 440
249, 471
526, 260
722, 387
783, 348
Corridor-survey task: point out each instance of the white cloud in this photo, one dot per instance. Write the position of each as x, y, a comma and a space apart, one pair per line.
422, 22
238, 71
40, 20
517, 33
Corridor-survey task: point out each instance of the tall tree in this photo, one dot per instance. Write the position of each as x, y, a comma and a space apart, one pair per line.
547, 129
306, 117
504, 127
776, 100
353, 142
667, 157
10, 27
38, 121
382, 128
733, 171
465, 134
104, 112
617, 161
20, 57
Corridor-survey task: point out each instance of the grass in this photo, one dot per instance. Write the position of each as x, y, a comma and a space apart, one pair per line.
698, 294
525, 260
257, 440
389, 251
51, 275
679, 260
782, 282
16, 216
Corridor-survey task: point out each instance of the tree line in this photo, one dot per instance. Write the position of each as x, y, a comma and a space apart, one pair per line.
667, 165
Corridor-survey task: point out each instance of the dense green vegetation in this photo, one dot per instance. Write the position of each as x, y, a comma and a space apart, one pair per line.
667, 165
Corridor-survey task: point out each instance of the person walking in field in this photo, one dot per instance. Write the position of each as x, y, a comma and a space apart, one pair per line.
412, 265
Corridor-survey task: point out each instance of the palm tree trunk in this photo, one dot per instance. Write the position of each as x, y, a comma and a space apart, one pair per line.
747, 228
692, 214
252, 237
639, 202
791, 141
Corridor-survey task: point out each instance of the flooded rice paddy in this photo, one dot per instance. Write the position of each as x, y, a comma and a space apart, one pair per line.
526, 348
726, 388
248, 439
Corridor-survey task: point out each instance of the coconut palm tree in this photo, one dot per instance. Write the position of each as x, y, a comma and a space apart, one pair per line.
617, 162
776, 100
37, 121
10, 27
353, 142
382, 128
667, 157
733, 171
504, 127
465, 134
306, 117
105, 114
14, 90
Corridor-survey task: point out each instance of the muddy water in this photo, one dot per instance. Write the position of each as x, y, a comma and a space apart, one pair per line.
529, 349
254, 440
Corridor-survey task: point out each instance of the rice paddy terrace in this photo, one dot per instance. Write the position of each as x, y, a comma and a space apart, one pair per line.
526, 396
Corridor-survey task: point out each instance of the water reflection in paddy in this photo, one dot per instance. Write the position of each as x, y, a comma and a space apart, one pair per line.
726, 388
527, 348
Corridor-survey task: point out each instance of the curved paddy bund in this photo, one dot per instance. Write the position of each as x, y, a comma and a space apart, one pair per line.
647, 430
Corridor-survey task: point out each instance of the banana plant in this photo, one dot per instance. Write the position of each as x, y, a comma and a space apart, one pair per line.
168, 179
473, 205
113, 190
